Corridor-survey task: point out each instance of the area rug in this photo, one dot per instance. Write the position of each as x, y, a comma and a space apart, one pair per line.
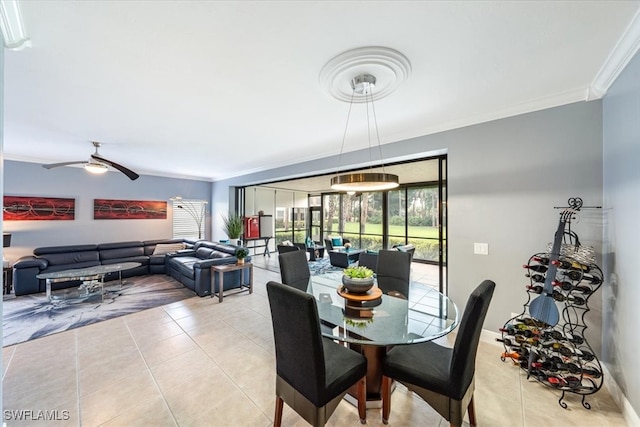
32, 316
322, 266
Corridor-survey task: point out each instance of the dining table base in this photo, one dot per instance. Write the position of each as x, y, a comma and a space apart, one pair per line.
374, 355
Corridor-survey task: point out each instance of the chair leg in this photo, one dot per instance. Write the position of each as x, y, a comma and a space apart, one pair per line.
472, 413
277, 418
362, 399
386, 398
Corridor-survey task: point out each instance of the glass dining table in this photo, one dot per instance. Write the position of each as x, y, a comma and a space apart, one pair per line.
373, 325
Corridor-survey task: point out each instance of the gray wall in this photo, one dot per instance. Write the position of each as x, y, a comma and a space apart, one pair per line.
30, 179
504, 178
621, 124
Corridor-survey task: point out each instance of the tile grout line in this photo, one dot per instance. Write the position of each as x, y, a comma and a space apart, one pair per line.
221, 368
153, 378
77, 359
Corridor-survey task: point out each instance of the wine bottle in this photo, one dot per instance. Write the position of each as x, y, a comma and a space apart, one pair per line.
573, 300
528, 321
510, 330
594, 280
514, 355
522, 327
536, 267
542, 260
561, 264
578, 266
545, 365
572, 368
536, 278
566, 286
584, 289
552, 335
536, 289
591, 372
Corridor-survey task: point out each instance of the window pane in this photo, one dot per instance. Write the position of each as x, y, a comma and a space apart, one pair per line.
331, 215
188, 219
372, 213
397, 217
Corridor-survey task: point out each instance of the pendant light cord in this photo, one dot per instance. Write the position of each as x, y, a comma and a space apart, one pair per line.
344, 135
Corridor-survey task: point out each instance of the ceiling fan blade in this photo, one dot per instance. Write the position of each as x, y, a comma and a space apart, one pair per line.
55, 165
128, 172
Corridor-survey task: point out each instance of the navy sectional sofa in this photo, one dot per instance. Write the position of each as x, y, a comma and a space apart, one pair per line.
189, 266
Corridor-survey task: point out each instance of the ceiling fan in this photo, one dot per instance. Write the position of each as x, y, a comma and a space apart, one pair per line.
97, 164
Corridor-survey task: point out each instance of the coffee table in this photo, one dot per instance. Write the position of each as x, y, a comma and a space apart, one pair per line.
92, 278
342, 257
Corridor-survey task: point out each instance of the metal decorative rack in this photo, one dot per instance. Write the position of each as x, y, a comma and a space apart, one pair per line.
549, 342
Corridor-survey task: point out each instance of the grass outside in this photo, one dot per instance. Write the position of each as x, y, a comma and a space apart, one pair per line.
394, 230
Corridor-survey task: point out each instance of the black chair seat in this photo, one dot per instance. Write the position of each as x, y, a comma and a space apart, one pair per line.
426, 365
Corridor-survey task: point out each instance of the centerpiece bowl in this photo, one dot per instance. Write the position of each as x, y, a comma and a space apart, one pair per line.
357, 280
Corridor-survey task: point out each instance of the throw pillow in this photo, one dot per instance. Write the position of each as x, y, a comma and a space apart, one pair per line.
164, 248
336, 241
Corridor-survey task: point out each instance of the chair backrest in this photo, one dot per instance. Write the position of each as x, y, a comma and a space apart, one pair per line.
368, 260
287, 248
298, 340
394, 271
463, 360
294, 269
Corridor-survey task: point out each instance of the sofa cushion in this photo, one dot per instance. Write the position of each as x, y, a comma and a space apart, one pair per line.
122, 252
184, 265
64, 249
142, 259
204, 253
164, 248
218, 254
67, 258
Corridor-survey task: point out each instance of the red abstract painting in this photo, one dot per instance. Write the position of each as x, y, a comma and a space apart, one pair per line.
18, 208
129, 209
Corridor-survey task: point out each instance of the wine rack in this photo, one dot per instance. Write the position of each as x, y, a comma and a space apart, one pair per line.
558, 355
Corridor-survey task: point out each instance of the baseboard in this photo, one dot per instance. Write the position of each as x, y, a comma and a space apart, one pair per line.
490, 336
629, 414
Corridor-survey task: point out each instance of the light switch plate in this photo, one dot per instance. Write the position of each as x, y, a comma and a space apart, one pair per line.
481, 248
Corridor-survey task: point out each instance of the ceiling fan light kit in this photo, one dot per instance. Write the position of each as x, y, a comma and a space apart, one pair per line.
97, 164
359, 65
97, 168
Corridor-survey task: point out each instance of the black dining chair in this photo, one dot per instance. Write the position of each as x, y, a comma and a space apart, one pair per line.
394, 272
443, 377
313, 373
294, 269
369, 260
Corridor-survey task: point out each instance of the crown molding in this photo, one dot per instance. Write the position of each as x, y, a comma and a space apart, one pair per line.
618, 59
12, 26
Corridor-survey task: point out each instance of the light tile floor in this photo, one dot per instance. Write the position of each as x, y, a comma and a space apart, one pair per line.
201, 363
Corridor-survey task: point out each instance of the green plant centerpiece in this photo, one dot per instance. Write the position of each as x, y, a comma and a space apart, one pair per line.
241, 254
232, 226
357, 279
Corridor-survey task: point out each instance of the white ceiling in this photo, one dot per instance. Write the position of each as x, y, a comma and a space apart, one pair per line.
210, 90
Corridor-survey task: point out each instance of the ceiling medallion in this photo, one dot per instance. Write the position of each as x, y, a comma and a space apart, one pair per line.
363, 85
390, 68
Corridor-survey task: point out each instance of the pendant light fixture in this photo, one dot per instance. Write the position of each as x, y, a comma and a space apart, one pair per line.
363, 84
353, 76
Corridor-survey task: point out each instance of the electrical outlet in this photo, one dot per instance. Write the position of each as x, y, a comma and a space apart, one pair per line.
481, 248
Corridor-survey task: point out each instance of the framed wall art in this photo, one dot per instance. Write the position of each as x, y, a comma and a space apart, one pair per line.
34, 208
129, 209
